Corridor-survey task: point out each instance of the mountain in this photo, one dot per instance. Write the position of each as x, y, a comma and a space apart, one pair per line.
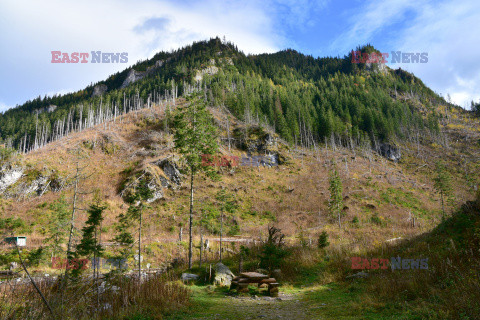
289, 127
302, 98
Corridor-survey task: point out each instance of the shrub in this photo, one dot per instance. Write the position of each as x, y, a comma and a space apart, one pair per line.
273, 254
323, 240
11, 224
375, 218
355, 220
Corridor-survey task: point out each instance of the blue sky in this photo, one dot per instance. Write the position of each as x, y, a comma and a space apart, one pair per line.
449, 31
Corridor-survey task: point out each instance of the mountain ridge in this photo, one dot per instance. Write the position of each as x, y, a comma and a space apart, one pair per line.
296, 105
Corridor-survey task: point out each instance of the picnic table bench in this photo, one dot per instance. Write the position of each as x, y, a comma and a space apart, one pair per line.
242, 282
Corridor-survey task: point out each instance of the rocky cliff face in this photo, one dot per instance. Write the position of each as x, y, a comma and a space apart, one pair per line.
9, 176
18, 182
390, 152
132, 77
158, 175
99, 90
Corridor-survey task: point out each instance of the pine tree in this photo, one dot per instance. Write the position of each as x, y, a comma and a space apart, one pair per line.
124, 238
442, 183
195, 135
335, 204
90, 244
57, 228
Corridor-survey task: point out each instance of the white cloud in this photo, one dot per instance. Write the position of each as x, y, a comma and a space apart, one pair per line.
35, 28
447, 30
372, 19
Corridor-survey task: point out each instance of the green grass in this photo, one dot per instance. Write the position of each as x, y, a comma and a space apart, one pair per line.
332, 301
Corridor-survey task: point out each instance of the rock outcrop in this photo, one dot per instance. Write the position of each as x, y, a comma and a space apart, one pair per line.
171, 170
390, 152
132, 77
9, 176
258, 141
158, 175
16, 181
211, 70
99, 90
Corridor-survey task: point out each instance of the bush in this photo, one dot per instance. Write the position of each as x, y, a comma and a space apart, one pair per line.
11, 224
273, 254
35, 256
355, 220
6, 154
375, 218
323, 240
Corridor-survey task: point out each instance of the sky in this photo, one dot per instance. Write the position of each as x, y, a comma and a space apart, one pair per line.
448, 31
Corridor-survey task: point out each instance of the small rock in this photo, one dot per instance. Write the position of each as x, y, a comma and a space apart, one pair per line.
357, 275
187, 277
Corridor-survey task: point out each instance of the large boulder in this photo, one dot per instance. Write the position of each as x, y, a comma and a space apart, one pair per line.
223, 275
188, 277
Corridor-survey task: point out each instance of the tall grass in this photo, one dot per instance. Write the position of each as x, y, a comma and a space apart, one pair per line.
118, 297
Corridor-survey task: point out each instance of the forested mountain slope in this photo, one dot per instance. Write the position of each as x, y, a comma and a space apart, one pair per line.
304, 99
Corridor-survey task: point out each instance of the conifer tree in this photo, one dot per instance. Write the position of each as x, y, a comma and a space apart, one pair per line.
336, 199
90, 243
442, 183
195, 135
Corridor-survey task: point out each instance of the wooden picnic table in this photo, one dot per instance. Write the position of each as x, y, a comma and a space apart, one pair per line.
241, 282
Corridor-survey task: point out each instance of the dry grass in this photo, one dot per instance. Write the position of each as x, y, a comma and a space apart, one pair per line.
293, 197
120, 297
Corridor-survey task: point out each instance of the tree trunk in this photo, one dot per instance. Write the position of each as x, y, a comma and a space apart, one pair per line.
190, 240
140, 248
221, 233
201, 248
72, 220
443, 207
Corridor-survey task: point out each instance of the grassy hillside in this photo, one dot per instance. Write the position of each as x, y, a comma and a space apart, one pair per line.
314, 117
380, 197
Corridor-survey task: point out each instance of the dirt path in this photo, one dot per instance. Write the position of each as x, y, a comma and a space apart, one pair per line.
257, 307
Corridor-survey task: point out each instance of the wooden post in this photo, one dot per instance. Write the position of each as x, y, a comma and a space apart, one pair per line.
201, 248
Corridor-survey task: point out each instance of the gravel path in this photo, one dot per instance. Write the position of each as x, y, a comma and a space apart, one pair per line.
284, 307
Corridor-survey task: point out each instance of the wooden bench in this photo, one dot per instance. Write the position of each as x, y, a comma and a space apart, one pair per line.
241, 282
